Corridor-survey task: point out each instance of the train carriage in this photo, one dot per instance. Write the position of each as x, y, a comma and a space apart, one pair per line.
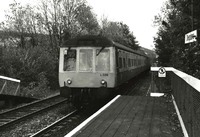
95, 63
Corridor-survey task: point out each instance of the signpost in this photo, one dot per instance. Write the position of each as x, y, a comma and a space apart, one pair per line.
191, 37
161, 72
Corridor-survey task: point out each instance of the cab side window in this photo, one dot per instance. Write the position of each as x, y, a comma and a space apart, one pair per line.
70, 61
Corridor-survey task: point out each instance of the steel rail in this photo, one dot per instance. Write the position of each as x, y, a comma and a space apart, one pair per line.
29, 104
29, 114
44, 130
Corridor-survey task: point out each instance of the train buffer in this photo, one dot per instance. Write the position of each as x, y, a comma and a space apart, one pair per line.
147, 116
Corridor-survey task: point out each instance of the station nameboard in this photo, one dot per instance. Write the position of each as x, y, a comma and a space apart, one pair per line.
191, 37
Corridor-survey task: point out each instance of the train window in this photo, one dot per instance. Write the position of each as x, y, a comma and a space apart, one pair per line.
70, 61
120, 62
129, 62
103, 60
135, 62
85, 59
124, 62
132, 61
138, 60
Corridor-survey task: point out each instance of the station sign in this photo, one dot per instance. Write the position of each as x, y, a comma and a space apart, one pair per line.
161, 72
191, 37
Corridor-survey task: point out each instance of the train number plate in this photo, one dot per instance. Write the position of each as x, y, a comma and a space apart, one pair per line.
104, 74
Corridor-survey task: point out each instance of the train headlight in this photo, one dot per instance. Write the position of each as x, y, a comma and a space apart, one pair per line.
65, 51
69, 81
103, 82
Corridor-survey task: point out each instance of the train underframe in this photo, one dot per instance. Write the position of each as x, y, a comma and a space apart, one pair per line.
79, 96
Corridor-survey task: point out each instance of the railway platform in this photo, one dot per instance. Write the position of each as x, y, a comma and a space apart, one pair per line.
130, 116
175, 114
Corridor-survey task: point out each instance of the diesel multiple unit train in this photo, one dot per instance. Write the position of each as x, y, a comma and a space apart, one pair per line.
96, 65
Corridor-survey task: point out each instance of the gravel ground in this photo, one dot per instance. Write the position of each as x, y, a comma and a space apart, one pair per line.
74, 122
27, 128
162, 85
173, 118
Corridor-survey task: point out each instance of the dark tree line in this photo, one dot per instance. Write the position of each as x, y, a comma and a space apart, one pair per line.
176, 20
119, 32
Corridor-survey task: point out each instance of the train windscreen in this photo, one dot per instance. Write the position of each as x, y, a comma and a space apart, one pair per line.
85, 59
103, 60
70, 60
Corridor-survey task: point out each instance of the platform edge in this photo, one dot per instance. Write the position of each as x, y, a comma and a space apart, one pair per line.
75, 130
180, 118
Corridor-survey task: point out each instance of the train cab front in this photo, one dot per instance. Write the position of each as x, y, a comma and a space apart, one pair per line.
86, 69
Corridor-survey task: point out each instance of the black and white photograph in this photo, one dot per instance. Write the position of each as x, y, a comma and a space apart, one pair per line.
100, 68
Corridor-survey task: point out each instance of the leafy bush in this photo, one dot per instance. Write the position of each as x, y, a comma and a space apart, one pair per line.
34, 66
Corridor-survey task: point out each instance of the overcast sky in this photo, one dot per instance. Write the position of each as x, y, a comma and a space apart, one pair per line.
137, 14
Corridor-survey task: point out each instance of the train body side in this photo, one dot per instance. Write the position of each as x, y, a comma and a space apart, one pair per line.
129, 64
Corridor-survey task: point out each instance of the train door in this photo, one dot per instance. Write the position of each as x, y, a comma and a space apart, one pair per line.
119, 65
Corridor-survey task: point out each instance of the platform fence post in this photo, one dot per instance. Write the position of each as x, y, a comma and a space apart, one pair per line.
4, 87
18, 88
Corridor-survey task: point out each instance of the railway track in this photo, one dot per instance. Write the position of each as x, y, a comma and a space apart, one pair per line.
61, 126
133, 86
141, 87
57, 125
19, 114
66, 123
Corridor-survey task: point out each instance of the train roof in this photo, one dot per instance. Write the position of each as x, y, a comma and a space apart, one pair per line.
97, 41
88, 40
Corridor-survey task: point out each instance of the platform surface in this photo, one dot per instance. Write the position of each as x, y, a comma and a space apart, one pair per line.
130, 116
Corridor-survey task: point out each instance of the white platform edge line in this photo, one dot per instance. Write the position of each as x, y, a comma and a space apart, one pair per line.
75, 130
180, 118
11, 79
